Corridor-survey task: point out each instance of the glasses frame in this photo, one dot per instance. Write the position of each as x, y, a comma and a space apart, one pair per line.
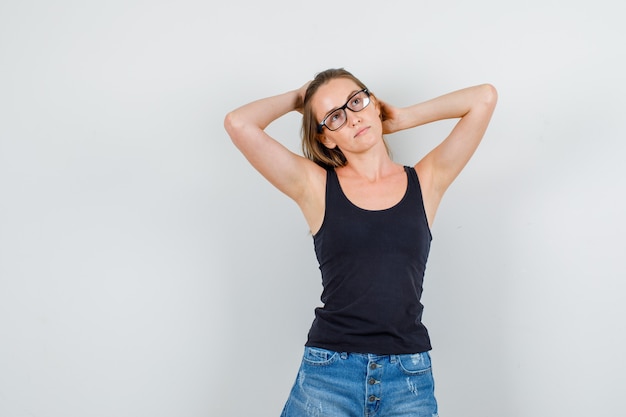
320, 126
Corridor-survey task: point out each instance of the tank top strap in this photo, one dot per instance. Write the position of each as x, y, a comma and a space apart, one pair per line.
334, 193
412, 176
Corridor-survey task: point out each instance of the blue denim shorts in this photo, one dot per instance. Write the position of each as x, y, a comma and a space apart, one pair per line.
340, 384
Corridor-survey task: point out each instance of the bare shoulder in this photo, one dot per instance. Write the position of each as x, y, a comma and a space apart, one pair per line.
424, 172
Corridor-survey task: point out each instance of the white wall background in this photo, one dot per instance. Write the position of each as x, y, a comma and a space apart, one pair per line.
147, 270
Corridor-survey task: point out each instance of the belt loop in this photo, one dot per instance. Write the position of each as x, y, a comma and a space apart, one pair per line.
343, 355
393, 358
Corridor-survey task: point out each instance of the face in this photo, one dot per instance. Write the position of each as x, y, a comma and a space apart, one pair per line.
357, 126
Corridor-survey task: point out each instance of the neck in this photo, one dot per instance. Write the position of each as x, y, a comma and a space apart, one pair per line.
369, 166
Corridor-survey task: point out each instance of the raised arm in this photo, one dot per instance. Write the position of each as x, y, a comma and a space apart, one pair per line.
474, 106
287, 171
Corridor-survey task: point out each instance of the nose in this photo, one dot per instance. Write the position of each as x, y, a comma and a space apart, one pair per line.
354, 118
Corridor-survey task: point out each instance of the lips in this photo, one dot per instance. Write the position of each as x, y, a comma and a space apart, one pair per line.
362, 131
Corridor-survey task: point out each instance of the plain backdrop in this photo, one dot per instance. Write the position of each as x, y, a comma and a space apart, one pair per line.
147, 270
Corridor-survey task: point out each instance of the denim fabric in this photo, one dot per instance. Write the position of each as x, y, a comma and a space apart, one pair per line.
339, 384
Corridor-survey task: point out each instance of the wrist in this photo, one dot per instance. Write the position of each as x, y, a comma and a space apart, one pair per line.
297, 100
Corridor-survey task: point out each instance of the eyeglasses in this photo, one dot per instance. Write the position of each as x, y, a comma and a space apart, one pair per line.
338, 117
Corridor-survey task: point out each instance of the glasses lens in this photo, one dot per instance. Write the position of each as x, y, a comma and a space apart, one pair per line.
358, 101
336, 119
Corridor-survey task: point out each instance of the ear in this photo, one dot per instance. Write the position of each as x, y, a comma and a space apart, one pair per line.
381, 111
327, 142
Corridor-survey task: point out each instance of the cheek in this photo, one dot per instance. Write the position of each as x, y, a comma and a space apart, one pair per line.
329, 143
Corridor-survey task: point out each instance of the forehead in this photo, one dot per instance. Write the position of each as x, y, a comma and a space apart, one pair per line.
333, 94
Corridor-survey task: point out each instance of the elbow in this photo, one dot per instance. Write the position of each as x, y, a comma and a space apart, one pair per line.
233, 125
230, 123
489, 95
241, 131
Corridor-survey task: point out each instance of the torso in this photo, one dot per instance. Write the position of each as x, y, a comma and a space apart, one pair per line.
372, 258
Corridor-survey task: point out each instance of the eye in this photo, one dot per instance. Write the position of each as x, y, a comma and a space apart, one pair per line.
359, 101
335, 116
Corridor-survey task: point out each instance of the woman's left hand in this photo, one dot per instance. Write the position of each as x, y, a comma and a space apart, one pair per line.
390, 116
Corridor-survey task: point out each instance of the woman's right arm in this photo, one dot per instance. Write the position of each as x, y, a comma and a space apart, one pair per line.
287, 171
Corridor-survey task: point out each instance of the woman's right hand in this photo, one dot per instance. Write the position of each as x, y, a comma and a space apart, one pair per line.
301, 93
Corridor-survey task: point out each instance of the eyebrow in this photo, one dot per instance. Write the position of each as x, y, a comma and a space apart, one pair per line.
337, 108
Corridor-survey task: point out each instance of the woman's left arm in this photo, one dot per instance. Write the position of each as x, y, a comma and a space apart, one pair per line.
473, 105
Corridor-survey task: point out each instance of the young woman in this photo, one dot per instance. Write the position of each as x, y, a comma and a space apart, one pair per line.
367, 350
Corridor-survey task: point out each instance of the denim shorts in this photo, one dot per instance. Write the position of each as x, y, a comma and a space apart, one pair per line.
340, 384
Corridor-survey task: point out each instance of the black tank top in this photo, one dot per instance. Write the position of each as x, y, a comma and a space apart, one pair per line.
372, 264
